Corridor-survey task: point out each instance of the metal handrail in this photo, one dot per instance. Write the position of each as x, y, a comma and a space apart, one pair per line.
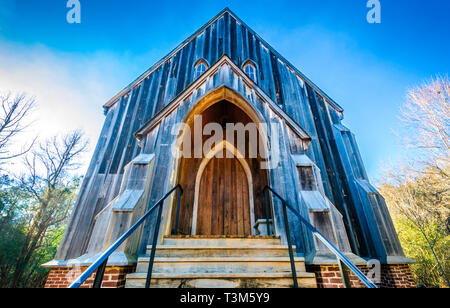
101, 262
339, 255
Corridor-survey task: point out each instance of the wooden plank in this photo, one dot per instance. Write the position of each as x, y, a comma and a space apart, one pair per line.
240, 197
235, 195
212, 203
246, 206
226, 204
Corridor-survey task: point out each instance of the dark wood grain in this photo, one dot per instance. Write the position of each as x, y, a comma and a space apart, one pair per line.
224, 204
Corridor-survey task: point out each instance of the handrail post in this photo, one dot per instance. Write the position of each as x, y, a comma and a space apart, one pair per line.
291, 253
344, 274
339, 255
99, 275
180, 192
102, 260
265, 192
155, 239
345, 279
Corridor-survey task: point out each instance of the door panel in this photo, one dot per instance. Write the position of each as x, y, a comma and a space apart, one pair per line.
224, 206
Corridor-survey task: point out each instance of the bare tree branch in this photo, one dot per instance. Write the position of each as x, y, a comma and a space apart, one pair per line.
50, 185
426, 115
418, 189
14, 112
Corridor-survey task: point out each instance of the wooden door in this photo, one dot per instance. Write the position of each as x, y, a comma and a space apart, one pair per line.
224, 206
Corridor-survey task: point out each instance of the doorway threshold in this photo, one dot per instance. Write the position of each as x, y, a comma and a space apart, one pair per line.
221, 237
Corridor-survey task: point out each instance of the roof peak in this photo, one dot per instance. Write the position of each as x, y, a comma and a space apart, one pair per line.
225, 59
198, 32
227, 9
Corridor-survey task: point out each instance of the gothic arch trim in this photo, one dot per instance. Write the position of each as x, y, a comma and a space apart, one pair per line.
224, 145
226, 91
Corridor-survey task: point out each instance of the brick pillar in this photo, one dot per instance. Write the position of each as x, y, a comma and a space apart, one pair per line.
392, 276
63, 277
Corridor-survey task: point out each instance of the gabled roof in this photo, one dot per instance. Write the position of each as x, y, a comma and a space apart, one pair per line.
200, 31
225, 60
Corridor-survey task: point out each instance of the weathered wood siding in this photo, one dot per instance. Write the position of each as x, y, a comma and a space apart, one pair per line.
307, 105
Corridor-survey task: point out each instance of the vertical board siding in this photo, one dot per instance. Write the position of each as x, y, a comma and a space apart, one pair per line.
224, 36
107, 156
124, 139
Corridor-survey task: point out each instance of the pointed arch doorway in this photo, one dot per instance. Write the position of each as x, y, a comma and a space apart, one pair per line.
222, 196
223, 201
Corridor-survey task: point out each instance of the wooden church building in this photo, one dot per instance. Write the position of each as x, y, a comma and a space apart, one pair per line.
226, 223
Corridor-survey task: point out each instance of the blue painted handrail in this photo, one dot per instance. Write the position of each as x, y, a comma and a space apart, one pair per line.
327, 243
101, 262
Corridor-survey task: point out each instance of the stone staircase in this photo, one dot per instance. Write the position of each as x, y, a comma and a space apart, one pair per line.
194, 262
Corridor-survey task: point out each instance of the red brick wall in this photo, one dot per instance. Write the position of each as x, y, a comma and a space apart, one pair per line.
392, 276
62, 277
328, 276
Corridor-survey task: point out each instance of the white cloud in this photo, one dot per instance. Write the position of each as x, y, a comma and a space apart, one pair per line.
70, 89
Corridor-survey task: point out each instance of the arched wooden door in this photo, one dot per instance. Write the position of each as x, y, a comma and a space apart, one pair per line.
224, 202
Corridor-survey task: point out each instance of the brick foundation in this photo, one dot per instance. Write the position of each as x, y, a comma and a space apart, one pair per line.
64, 276
328, 276
392, 276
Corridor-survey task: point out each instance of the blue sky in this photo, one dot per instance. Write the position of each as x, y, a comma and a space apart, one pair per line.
367, 68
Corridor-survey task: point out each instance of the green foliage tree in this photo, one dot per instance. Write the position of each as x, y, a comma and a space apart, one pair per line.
35, 207
420, 210
11, 227
417, 190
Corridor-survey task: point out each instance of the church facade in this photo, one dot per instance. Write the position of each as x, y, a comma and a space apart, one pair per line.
179, 124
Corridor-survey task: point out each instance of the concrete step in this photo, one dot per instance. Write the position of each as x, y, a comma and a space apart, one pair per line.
220, 265
218, 251
222, 280
221, 262
195, 241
